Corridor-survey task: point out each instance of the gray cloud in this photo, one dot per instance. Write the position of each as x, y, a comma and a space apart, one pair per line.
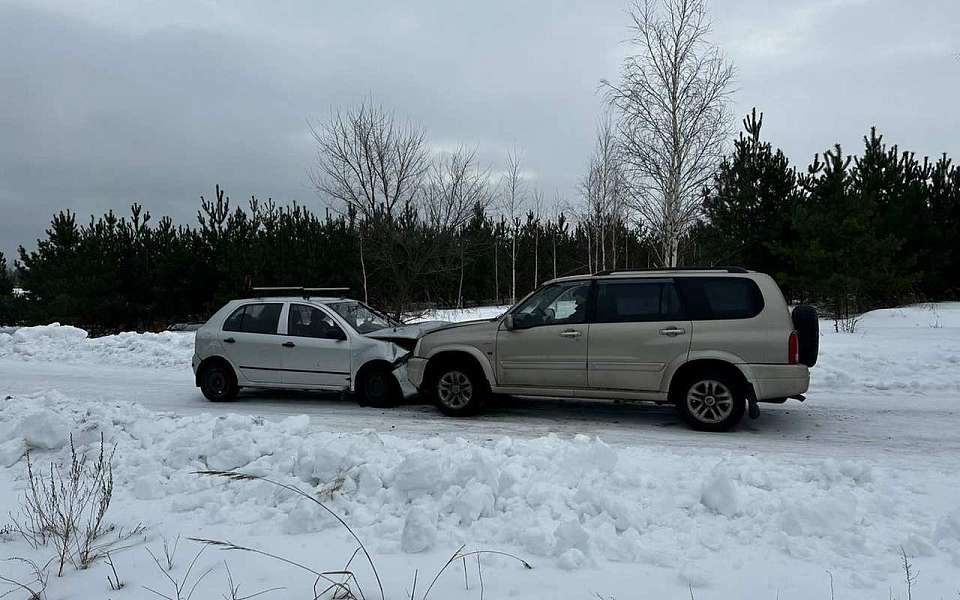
107, 103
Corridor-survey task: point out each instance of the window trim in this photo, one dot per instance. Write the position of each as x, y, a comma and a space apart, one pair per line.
244, 306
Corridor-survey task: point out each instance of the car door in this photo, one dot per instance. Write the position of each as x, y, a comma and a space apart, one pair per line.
547, 347
638, 329
251, 342
316, 351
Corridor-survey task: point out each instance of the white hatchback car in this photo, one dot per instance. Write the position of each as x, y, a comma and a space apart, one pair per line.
304, 343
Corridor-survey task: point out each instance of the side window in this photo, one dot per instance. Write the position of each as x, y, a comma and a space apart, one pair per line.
235, 321
254, 318
309, 321
636, 301
711, 298
560, 304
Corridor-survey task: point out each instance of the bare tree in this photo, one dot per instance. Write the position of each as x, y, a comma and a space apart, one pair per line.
604, 193
455, 186
672, 101
411, 209
370, 164
512, 197
369, 161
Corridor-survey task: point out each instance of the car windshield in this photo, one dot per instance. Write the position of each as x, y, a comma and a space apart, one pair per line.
361, 317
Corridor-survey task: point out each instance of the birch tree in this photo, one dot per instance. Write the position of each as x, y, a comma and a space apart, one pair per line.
512, 199
673, 118
603, 189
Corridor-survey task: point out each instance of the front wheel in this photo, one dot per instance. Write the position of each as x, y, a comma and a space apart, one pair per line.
711, 401
218, 383
377, 387
459, 391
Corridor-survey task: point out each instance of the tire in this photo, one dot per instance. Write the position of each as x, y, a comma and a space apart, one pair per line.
459, 390
807, 325
711, 400
378, 388
218, 383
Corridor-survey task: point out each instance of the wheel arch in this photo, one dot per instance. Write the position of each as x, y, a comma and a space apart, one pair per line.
212, 361
373, 363
690, 368
456, 355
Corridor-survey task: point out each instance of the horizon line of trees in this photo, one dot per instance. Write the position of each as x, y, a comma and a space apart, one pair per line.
848, 233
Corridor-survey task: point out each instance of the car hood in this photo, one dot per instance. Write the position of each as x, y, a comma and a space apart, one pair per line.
405, 332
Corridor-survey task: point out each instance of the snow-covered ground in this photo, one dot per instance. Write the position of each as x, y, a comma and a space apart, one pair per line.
618, 501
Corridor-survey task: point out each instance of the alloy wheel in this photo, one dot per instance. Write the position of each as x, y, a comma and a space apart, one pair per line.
710, 401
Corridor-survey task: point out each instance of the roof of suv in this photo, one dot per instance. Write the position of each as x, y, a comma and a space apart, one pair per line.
692, 271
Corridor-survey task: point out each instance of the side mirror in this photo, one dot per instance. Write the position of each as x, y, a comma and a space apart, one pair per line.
508, 322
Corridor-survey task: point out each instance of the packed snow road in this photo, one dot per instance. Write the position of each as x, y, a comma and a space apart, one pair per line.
605, 499
861, 423
893, 388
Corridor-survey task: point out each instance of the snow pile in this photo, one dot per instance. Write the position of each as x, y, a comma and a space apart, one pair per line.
66, 344
908, 350
572, 502
457, 315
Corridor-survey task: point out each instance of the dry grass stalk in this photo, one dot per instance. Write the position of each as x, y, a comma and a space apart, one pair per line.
35, 587
68, 506
180, 587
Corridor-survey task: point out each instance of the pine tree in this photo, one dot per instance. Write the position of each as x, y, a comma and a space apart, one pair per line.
749, 204
6, 282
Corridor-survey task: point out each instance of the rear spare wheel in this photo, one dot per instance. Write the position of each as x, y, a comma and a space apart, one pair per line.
807, 326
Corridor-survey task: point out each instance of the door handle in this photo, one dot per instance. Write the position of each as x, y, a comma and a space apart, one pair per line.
230, 340
288, 344
673, 331
570, 333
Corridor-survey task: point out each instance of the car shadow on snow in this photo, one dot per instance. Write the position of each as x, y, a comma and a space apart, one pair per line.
534, 415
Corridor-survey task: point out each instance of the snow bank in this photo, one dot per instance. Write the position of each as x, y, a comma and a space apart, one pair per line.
457, 315
572, 502
63, 343
908, 350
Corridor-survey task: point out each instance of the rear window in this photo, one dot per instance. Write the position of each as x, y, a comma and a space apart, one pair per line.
636, 301
709, 298
254, 318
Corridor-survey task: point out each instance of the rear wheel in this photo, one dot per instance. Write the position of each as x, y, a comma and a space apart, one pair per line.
459, 390
377, 387
711, 401
218, 383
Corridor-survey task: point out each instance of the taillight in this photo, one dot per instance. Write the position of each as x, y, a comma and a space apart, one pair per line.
793, 348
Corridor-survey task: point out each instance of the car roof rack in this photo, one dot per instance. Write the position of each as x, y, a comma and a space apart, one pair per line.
305, 292
666, 269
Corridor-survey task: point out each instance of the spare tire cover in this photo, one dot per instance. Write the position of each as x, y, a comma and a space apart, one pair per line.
807, 325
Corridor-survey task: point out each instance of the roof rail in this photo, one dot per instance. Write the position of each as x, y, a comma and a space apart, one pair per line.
662, 269
304, 291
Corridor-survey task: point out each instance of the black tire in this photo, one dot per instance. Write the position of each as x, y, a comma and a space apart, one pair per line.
459, 390
711, 400
378, 388
218, 383
807, 325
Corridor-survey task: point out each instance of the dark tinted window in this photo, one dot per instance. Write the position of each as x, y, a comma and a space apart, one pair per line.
309, 321
254, 318
634, 301
721, 297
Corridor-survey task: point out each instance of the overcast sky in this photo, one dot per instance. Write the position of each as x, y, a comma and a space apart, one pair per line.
106, 102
